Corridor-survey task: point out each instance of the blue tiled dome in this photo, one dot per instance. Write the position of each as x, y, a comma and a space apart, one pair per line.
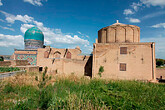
34, 33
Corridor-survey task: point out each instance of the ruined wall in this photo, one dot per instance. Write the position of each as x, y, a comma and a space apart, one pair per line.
138, 61
58, 53
14, 63
20, 63
5, 63
63, 65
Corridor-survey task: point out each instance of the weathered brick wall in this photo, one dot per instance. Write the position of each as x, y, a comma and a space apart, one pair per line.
14, 63
22, 62
160, 72
138, 61
32, 68
77, 64
5, 63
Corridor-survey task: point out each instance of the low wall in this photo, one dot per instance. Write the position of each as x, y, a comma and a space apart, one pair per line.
160, 72
29, 68
14, 63
68, 66
5, 63
21, 62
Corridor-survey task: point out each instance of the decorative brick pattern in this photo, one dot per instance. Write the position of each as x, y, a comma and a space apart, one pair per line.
32, 59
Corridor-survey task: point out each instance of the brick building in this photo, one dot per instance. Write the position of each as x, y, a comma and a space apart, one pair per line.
118, 50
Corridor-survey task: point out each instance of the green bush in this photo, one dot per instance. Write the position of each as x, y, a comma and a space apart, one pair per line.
9, 69
101, 70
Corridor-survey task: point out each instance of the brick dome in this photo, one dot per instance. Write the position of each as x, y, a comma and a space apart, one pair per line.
119, 32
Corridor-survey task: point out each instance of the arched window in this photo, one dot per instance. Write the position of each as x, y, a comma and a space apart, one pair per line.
46, 54
68, 55
57, 54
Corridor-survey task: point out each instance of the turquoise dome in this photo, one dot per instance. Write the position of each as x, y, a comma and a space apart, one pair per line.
34, 33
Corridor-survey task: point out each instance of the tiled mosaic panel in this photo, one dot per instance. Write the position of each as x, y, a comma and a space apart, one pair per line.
32, 59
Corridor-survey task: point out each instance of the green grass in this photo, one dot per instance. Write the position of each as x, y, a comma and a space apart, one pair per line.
83, 94
8, 69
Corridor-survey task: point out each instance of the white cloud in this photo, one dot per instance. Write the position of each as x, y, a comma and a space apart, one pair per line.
12, 18
142, 3
133, 20
53, 37
11, 29
82, 35
136, 6
128, 12
1, 3
11, 40
153, 15
159, 45
160, 25
160, 3
79, 32
24, 27
35, 2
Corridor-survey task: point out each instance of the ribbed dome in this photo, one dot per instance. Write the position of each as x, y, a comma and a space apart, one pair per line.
34, 33
119, 32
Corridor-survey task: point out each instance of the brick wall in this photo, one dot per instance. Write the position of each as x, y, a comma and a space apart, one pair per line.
5, 63
160, 72
14, 63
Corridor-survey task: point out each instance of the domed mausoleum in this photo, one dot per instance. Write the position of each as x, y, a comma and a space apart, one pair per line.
118, 51
33, 38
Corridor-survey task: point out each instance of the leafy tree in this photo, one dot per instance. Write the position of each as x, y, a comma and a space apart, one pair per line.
1, 58
159, 62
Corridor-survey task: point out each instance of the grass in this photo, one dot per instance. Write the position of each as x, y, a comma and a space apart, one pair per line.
71, 92
8, 69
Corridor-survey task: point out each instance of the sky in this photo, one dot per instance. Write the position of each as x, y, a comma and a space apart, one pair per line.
71, 23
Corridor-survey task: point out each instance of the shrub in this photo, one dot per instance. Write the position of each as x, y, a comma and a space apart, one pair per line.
1, 58
101, 70
9, 69
45, 95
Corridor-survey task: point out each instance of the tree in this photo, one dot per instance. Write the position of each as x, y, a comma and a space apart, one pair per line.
159, 62
1, 58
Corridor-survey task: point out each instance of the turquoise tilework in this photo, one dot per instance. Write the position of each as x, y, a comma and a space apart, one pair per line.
32, 59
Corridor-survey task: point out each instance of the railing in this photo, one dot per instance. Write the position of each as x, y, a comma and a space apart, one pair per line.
8, 74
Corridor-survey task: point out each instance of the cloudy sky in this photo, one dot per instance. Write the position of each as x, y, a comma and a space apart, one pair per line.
69, 23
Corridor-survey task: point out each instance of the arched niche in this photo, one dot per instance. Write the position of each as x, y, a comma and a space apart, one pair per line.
68, 55
57, 54
46, 54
